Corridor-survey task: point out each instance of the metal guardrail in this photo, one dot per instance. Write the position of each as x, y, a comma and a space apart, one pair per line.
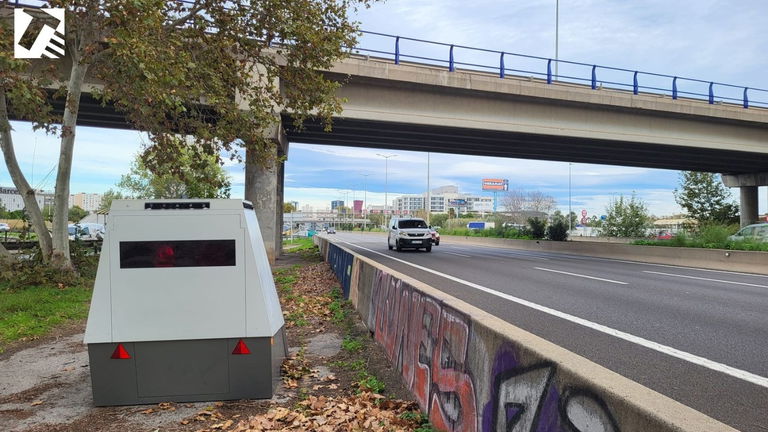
596, 76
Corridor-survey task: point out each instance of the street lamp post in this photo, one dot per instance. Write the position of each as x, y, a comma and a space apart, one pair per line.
429, 200
557, 33
386, 179
365, 199
569, 196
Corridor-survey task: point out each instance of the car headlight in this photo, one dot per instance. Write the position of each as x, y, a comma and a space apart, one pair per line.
403, 234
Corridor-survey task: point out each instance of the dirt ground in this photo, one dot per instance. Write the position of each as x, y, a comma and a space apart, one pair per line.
45, 384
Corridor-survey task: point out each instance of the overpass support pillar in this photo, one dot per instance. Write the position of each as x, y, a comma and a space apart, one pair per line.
748, 205
264, 188
747, 183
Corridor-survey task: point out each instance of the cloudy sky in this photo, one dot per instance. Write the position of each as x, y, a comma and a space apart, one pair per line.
715, 40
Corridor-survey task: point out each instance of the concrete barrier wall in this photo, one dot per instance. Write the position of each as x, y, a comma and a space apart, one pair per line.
470, 371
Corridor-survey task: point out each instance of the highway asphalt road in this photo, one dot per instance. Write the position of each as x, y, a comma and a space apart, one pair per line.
697, 336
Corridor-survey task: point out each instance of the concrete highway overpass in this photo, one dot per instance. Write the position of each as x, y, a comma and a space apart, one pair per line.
429, 108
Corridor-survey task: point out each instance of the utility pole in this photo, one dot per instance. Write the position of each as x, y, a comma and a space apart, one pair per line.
569, 196
386, 179
557, 33
365, 199
429, 200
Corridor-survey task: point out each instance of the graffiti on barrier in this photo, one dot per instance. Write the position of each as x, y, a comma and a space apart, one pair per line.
523, 398
428, 344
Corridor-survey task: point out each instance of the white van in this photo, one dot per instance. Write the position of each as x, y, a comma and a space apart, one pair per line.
409, 233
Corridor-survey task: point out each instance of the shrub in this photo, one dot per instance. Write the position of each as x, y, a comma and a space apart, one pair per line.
538, 227
558, 231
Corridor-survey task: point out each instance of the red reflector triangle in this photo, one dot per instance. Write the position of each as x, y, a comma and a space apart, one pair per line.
120, 353
241, 348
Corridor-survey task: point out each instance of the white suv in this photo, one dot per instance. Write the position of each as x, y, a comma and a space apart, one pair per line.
409, 233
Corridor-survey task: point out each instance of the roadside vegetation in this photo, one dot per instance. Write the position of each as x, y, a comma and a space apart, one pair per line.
35, 298
712, 236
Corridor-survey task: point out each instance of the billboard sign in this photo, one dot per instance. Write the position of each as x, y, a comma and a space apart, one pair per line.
495, 184
457, 202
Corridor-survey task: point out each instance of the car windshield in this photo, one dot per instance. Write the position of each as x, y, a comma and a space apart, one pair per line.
412, 223
71, 230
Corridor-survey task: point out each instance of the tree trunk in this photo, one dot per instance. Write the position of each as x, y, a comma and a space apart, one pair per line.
26, 191
60, 258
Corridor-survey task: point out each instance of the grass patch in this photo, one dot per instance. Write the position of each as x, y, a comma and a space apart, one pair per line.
299, 244
354, 365
368, 382
33, 311
351, 344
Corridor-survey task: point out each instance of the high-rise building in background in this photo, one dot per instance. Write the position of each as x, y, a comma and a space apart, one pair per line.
357, 207
86, 201
335, 204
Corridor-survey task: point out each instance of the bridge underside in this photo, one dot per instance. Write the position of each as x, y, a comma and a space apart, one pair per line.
446, 139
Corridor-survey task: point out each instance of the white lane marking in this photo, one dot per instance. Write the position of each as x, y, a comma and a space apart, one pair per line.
458, 254
581, 275
706, 279
591, 258
674, 352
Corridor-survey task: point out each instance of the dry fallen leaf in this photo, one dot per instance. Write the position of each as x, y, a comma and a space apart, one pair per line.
148, 411
36, 403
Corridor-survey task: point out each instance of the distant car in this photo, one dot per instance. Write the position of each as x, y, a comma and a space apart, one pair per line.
435, 236
331, 230
755, 232
665, 235
4, 227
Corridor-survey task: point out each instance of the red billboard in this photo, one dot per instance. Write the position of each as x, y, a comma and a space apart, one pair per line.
495, 184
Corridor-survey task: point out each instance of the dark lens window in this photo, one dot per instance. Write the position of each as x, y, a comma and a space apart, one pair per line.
184, 253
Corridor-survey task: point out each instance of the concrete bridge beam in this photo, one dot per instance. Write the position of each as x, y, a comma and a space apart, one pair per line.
747, 184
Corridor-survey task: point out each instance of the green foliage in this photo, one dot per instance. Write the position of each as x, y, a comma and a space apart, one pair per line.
368, 382
710, 236
351, 344
353, 365
705, 198
20, 274
537, 227
288, 208
558, 230
625, 218
438, 219
203, 178
35, 310
420, 419
299, 244
109, 196
76, 214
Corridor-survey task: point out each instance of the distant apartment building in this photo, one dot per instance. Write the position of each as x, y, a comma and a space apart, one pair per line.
335, 204
409, 204
11, 199
86, 201
442, 199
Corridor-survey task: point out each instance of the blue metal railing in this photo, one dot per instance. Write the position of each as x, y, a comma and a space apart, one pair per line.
596, 76
541, 68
